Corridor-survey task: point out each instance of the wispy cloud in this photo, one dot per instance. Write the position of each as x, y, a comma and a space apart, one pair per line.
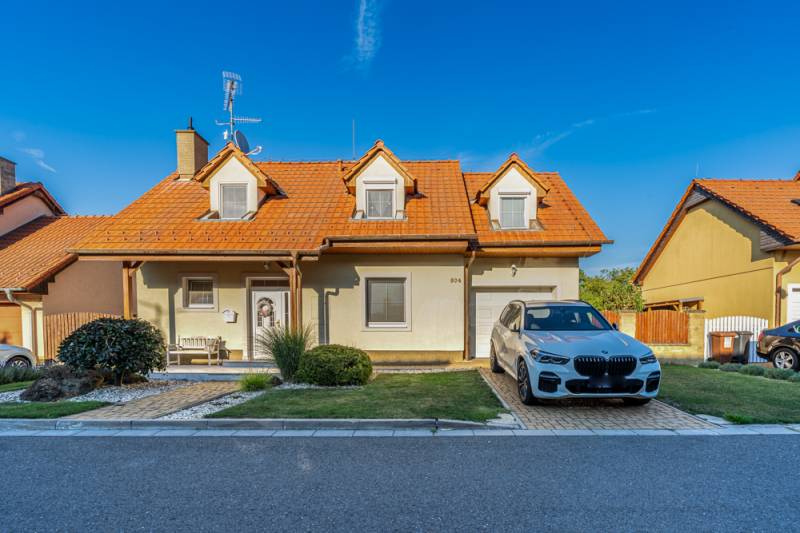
543, 141
368, 33
38, 156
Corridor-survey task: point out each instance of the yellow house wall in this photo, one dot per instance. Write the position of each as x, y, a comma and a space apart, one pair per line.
333, 304
86, 286
714, 254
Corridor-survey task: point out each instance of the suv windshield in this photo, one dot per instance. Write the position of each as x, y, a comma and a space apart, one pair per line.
564, 318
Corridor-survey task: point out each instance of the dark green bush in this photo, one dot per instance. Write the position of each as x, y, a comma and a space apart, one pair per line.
730, 367
254, 382
753, 370
333, 364
780, 373
286, 346
714, 365
116, 345
795, 378
14, 374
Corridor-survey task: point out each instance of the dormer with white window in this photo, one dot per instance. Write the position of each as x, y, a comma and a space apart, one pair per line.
380, 185
512, 196
236, 186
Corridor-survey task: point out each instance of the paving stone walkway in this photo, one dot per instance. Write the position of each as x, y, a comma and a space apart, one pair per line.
591, 414
160, 405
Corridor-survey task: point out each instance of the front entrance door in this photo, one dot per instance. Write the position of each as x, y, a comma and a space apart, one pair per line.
268, 309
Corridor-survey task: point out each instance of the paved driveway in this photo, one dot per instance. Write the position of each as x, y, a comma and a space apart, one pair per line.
591, 414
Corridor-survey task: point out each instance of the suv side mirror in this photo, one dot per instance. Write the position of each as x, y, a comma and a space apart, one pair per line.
614, 325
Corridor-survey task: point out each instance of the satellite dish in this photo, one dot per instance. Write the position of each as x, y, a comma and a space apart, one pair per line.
241, 141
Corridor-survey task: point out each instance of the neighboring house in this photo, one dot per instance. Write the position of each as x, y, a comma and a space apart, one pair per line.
731, 247
38, 277
408, 260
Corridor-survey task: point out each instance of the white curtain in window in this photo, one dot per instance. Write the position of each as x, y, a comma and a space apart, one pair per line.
234, 201
201, 292
379, 204
512, 212
386, 301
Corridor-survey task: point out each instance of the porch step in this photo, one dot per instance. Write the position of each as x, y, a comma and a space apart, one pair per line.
248, 364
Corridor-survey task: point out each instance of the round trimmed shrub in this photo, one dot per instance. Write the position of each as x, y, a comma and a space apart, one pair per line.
713, 365
753, 370
332, 364
116, 345
730, 367
780, 373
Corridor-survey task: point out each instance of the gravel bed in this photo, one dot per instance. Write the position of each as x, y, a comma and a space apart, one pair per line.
127, 393
200, 411
12, 396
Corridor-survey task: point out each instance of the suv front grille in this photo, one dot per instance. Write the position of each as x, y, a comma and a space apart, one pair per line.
595, 365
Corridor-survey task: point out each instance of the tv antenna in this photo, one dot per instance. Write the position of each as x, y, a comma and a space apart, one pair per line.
231, 88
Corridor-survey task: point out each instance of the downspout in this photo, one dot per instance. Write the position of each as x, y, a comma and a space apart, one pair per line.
34, 333
467, 266
779, 288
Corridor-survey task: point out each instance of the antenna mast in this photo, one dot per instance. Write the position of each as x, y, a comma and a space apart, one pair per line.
231, 88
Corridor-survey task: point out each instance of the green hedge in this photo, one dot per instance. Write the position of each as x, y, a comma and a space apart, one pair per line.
333, 364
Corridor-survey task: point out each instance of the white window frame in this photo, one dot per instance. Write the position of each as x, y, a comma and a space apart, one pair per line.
222, 200
392, 190
186, 278
525, 212
386, 326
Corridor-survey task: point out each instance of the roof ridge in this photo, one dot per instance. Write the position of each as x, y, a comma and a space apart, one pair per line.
755, 180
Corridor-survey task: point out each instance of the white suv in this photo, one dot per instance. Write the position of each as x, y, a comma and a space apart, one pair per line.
567, 349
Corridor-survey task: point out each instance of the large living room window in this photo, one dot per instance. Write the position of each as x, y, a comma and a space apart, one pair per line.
512, 213
386, 302
234, 201
199, 292
379, 203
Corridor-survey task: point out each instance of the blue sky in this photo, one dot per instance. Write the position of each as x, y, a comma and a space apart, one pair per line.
629, 101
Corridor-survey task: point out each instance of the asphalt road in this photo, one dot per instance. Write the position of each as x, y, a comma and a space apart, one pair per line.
747, 483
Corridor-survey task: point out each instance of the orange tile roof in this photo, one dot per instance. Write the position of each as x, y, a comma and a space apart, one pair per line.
34, 252
317, 206
23, 190
563, 218
766, 202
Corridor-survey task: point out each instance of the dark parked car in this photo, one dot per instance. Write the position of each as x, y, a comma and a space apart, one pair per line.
781, 345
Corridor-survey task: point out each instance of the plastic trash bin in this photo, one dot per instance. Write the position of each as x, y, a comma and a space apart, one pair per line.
741, 346
723, 345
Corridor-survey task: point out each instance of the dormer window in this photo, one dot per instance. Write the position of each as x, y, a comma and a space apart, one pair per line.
234, 201
512, 212
380, 203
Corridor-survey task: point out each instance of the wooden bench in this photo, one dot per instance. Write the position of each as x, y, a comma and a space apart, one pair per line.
195, 346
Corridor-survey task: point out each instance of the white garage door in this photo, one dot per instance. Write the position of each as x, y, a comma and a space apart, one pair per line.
489, 303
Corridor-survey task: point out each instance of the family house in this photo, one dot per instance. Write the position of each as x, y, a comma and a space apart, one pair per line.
411, 261
39, 278
731, 247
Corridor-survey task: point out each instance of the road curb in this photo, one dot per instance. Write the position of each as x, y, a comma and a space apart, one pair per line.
430, 424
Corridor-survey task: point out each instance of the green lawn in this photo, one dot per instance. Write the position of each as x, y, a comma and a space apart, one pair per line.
736, 397
8, 387
455, 395
46, 409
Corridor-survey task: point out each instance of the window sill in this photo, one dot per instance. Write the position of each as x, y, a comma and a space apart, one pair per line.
387, 327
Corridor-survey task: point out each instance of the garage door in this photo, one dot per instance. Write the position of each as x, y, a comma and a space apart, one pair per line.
487, 306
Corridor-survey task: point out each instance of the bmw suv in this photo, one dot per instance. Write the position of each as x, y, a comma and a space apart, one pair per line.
567, 349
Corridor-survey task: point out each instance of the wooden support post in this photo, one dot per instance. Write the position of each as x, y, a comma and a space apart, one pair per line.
292, 295
467, 265
299, 291
126, 291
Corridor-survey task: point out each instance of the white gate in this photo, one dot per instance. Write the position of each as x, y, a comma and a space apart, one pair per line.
737, 323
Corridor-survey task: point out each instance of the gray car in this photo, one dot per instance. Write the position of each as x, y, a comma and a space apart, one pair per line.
16, 356
567, 349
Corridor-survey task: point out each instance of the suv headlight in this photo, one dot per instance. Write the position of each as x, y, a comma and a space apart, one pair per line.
647, 359
548, 358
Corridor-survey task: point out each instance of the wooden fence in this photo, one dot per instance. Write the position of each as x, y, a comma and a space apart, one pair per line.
58, 326
611, 316
662, 327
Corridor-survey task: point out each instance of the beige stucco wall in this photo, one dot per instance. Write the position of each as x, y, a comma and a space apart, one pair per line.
333, 302
531, 272
714, 254
21, 212
84, 286
159, 295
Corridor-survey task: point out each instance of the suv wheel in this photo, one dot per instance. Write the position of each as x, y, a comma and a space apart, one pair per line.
785, 358
495, 367
524, 384
18, 362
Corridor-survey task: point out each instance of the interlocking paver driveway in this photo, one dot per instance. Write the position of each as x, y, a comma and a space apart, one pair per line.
163, 404
591, 414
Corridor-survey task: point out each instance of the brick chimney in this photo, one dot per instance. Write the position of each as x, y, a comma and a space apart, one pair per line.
192, 151
8, 175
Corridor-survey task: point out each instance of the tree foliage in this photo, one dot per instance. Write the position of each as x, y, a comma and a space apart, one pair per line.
611, 290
